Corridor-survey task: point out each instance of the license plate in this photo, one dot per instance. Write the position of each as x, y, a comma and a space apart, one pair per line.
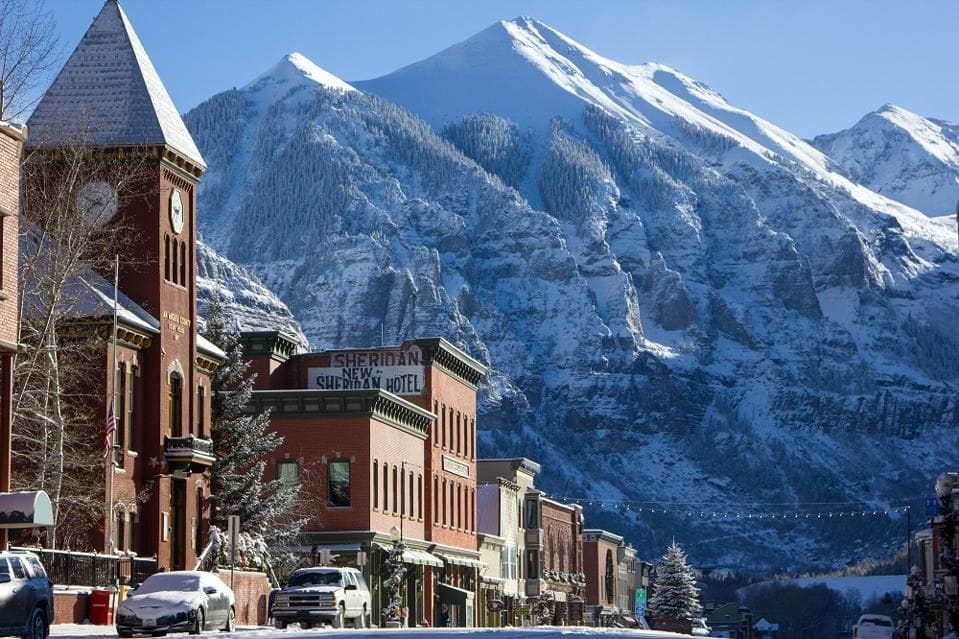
149, 623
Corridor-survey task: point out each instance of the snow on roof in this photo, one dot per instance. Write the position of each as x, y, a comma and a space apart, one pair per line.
206, 346
108, 92
92, 296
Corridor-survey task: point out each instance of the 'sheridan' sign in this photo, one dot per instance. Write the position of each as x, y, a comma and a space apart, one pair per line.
396, 371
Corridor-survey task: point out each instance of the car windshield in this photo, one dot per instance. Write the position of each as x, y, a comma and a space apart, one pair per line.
316, 579
169, 582
878, 622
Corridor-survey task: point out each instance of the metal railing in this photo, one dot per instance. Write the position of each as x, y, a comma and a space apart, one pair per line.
86, 569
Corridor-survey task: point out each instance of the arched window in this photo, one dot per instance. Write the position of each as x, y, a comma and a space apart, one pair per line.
411, 502
419, 496
175, 268
609, 576
183, 263
166, 258
459, 505
376, 484
174, 406
444, 502
386, 487
443, 425
395, 488
436, 434
436, 500
403, 502
200, 410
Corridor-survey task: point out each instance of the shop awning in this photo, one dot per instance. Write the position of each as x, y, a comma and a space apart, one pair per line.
460, 560
25, 510
422, 558
453, 595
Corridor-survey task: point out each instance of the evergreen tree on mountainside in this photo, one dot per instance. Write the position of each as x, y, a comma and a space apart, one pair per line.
241, 443
675, 595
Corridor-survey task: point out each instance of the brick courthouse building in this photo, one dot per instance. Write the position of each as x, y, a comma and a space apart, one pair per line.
109, 100
381, 438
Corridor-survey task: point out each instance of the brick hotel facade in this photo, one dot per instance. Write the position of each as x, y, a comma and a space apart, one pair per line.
382, 438
109, 100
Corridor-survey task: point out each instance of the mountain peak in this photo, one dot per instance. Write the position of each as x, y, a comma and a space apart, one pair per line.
295, 69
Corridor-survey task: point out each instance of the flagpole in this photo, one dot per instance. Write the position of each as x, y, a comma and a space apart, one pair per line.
113, 372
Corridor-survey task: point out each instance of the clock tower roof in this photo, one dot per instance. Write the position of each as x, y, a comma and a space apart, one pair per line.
108, 93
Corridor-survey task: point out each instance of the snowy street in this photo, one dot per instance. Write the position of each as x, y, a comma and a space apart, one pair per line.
87, 631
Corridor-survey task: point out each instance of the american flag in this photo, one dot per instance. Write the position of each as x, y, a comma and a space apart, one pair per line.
111, 428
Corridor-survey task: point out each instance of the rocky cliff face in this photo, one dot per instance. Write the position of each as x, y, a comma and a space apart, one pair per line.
252, 306
685, 308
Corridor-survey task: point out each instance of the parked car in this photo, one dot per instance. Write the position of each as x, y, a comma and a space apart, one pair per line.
873, 627
699, 627
26, 596
176, 601
323, 595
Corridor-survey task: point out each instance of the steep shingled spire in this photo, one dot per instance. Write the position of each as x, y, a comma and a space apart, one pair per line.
109, 93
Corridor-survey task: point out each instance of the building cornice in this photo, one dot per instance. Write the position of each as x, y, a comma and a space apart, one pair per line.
516, 463
102, 330
380, 405
279, 346
167, 155
441, 354
16, 131
596, 534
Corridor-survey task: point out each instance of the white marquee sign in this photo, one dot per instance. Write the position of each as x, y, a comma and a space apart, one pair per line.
396, 371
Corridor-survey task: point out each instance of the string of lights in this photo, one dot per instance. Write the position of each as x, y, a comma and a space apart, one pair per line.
752, 510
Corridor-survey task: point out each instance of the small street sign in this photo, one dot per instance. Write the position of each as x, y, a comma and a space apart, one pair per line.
639, 609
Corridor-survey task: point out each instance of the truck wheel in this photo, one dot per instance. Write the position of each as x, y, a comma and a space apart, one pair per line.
340, 619
279, 624
360, 622
36, 627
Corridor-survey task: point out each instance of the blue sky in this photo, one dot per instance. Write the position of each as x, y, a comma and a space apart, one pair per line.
811, 66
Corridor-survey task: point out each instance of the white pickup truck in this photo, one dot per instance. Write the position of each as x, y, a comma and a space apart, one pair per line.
873, 627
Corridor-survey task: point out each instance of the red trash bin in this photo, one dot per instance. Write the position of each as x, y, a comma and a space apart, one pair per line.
101, 607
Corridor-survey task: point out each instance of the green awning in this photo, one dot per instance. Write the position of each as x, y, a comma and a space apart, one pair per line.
454, 596
461, 560
28, 509
422, 558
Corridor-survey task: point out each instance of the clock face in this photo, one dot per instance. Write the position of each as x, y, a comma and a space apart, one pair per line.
176, 212
96, 202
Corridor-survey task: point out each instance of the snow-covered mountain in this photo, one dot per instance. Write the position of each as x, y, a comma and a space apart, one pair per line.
684, 306
902, 155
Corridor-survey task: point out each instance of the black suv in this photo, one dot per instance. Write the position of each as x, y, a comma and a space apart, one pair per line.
26, 596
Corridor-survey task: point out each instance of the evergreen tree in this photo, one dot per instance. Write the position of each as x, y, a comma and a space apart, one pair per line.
241, 444
675, 595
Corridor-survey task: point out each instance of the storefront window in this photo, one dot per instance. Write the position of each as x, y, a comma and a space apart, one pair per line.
338, 473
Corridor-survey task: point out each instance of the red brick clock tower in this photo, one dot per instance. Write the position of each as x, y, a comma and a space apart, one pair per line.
108, 97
